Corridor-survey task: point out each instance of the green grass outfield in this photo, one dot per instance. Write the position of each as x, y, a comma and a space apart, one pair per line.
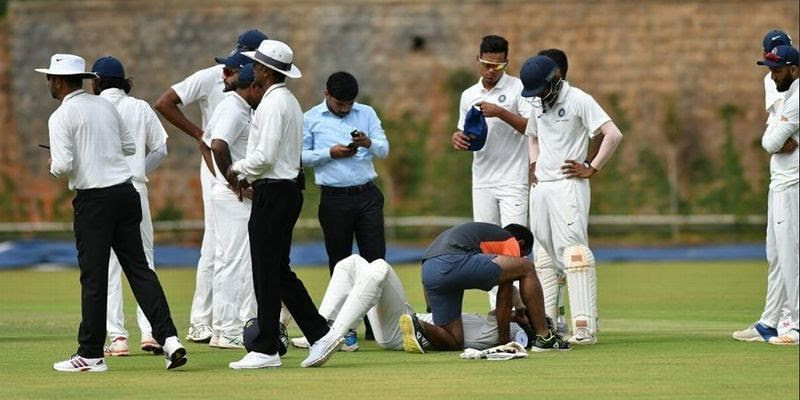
665, 335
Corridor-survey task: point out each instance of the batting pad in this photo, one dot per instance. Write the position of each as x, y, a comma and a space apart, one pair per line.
548, 278
582, 287
508, 351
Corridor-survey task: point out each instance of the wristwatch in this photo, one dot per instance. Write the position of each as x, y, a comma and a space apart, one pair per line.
588, 164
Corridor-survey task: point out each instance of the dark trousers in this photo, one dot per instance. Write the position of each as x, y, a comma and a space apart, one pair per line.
104, 219
348, 212
276, 207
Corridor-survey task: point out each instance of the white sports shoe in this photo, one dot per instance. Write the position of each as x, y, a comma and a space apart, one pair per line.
322, 349
300, 342
199, 333
117, 348
582, 336
255, 359
150, 345
755, 333
77, 363
174, 353
227, 342
792, 338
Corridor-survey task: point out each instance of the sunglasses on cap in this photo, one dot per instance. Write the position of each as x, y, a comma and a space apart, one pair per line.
773, 57
491, 65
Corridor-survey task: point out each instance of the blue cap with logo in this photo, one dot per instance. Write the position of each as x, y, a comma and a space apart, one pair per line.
108, 67
536, 73
475, 128
246, 73
234, 60
780, 56
775, 38
249, 41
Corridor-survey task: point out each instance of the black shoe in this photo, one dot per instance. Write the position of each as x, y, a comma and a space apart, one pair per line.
552, 342
283, 339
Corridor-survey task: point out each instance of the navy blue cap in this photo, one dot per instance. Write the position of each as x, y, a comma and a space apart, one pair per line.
774, 38
475, 128
249, 41
535, 74
246, 73
108, 67
234, 60
780, 56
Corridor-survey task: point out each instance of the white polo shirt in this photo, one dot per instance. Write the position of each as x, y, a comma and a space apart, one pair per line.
204, 87
89, 142
276, 137
142, 123
784, 169
503, 160
773, 100
231, 124
564, 130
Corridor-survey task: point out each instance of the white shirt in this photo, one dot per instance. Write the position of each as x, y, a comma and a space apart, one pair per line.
231, 124
479, 332
564, 130
503, 160
773, 100
204, 87
143, 124
784, 169
276, 136
89, 142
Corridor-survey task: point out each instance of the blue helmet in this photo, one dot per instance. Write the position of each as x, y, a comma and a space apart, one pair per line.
537, 73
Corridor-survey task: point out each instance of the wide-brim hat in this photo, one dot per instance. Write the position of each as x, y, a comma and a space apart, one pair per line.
277, 56
67, 65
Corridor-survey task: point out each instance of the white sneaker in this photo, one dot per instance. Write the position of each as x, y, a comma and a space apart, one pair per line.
254, 359
199, 333
792, 338
300, 342
149, 344
322, 350
582, 336
755, 333
214, 342
174, 353
77, 363
228, 342
117, 348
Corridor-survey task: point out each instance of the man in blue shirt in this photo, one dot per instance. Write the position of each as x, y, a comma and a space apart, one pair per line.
340, 139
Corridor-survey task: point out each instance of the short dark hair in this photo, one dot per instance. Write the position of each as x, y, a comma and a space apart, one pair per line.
523, 235
342, 86
106, 82
494, 44
72, 81
559, 57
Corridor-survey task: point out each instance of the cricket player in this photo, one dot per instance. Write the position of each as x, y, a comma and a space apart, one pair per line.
205, 87
564, 118
783, 204
358, 288
151, 149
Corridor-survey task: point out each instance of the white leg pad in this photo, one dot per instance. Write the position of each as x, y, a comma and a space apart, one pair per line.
548, 278
582, 281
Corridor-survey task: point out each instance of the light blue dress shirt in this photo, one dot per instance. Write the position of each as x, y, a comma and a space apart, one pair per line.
323, 129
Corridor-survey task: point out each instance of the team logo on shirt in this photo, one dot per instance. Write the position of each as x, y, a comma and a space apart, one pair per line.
561, 112
502, 98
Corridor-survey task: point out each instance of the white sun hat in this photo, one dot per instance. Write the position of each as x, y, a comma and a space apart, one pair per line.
67, 65
275, 55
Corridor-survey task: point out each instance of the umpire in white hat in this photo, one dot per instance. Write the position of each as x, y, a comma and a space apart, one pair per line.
89, 142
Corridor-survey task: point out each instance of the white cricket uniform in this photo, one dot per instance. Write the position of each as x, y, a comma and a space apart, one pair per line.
358, 287
233, 300
560, 206
148, 134
783, 207
500, 169
204, 87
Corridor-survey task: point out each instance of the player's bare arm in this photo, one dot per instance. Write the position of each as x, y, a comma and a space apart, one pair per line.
788, 147
594, 147
342, 151
606, 147
459, 140
222, 155
517, 122
446, 337
167, 105
503, 312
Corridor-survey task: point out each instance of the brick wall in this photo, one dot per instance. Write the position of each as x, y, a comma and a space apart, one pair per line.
699, 53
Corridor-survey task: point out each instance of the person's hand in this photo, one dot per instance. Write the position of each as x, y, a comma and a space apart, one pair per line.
459, 140
246, 193
362, 140
340, 151
532, 174
574, 169
788, 147
490, 109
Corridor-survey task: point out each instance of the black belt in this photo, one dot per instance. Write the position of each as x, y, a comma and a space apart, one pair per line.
127, 182
348, 189
267, 181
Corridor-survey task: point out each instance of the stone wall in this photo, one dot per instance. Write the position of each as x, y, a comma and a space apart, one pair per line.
696, 55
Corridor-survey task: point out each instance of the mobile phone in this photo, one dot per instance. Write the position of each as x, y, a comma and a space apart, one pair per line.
353, 134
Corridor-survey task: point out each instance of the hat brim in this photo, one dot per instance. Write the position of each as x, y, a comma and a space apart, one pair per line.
533, 92
82, 75
771, 64
220, 60
293, 72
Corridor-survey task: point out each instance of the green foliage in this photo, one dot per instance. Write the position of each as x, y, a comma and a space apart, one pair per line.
611, 188
170, 212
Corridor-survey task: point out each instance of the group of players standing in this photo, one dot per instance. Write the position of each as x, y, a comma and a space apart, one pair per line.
537, 156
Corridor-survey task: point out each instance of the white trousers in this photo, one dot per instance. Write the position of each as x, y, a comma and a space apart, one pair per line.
202, 301
783, 256
115, 319
233, 302
559, 216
